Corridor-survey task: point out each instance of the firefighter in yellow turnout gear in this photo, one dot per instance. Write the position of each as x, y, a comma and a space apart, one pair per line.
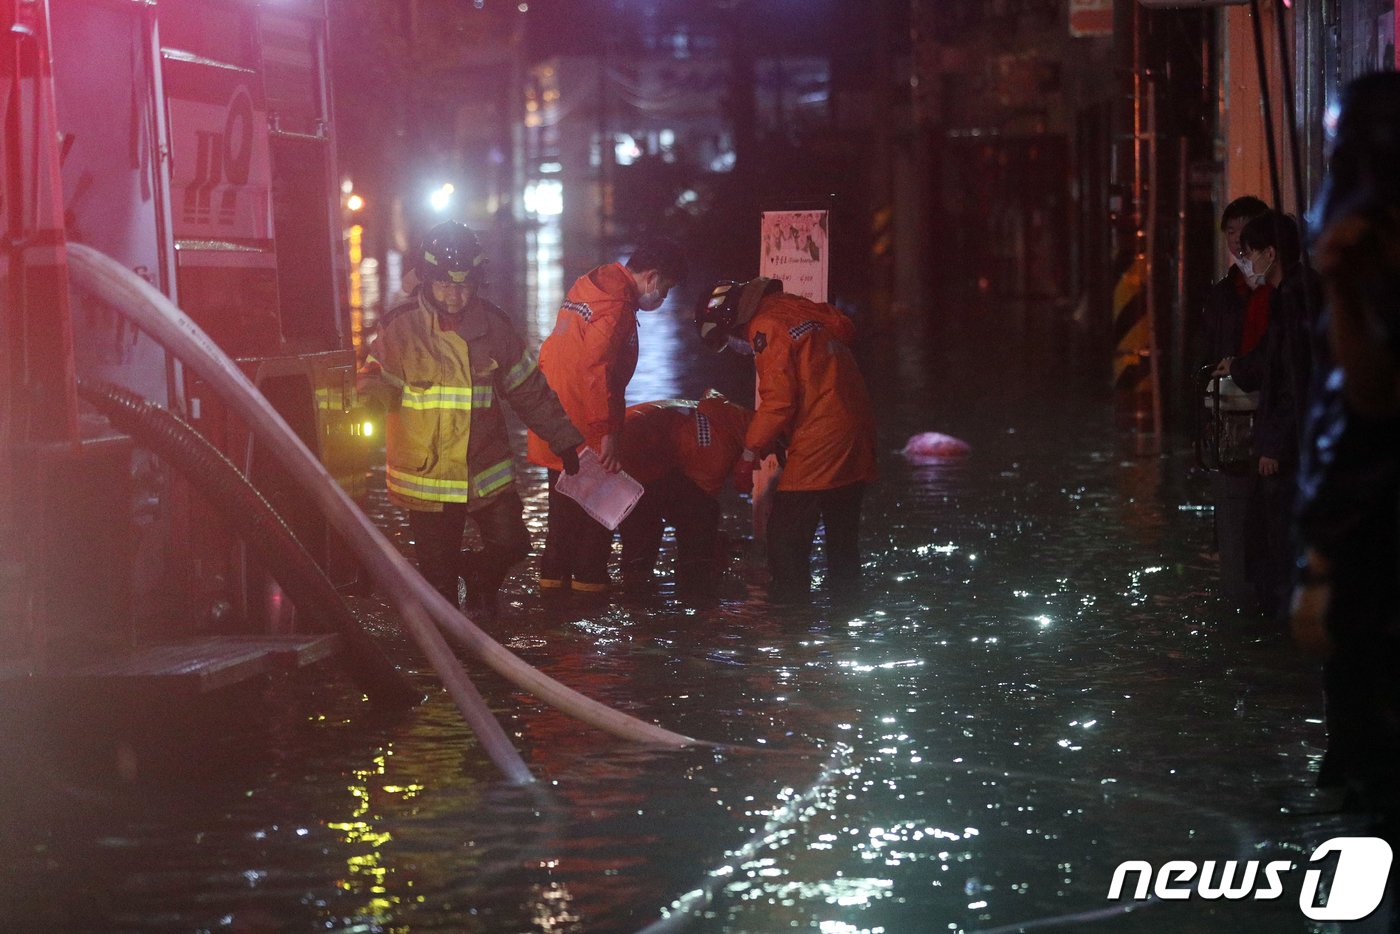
441, 363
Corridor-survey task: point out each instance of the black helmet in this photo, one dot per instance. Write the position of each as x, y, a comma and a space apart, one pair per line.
451, 252
729, 305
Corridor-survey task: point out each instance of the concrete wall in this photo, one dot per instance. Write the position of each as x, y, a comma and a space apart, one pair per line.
1242, 122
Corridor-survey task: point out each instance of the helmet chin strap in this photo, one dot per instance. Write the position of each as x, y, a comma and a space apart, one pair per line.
426, 288
433, 303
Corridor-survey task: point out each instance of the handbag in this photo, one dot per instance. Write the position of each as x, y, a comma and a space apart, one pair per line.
1225, 424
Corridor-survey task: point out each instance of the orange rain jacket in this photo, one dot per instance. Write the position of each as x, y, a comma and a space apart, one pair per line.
811, 393
700, 439
590, 356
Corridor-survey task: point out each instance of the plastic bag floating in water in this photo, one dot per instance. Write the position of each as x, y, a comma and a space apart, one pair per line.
933, 446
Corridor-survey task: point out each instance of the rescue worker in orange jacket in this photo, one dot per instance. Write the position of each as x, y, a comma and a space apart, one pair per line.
588, 360
812, 398
441, 363
682, 452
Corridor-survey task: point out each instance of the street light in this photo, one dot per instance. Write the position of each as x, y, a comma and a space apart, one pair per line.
441, 197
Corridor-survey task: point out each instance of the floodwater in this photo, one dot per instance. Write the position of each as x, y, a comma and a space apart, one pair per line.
1035, 685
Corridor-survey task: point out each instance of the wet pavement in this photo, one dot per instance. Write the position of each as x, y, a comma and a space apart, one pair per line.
1035, 685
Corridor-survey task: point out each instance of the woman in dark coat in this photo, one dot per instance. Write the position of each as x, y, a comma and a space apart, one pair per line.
1279, 369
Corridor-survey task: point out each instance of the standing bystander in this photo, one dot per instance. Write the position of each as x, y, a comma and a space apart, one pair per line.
1233, 320
1279, 368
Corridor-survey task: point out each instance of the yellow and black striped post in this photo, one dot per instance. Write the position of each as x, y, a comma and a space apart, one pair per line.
882, 263
1133, 379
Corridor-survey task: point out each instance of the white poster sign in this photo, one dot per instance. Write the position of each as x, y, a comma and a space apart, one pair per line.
795, 249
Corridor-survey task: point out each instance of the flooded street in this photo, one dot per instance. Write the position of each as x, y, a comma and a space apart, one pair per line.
1035, 685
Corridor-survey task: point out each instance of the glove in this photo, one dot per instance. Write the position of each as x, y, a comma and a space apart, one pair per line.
742, 474
570, 458
369, 377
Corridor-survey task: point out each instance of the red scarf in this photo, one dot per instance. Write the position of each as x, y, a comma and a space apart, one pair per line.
1242, 288
1256, 317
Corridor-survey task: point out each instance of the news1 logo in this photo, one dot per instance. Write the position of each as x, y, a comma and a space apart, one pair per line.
1358, 885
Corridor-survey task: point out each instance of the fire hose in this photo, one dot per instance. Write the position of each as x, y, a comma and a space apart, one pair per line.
255, 521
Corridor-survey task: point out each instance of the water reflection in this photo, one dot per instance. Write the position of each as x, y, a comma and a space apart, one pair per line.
367, 874
544, 281
1034, 686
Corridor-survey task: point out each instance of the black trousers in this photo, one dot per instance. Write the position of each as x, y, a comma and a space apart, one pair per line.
693, 513
1270, 543
792, 525
1233, 534
576, 547
437, 542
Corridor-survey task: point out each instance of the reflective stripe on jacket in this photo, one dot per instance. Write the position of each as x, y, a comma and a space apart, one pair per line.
445, 433
811, 394
590, 356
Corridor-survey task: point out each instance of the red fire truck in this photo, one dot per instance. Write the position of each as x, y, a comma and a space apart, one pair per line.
191, 141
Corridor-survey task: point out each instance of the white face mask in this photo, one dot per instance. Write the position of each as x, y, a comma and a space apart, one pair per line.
1252, 279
